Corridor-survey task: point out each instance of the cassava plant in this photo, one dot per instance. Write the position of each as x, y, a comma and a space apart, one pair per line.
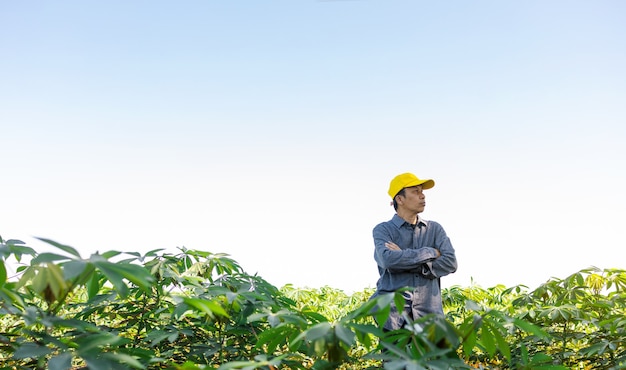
200, 310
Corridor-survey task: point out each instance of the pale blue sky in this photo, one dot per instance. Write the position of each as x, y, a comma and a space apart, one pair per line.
270, 130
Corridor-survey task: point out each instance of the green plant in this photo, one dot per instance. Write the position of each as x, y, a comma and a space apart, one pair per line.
200, 310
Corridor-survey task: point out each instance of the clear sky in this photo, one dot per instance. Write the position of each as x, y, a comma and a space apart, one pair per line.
269, 130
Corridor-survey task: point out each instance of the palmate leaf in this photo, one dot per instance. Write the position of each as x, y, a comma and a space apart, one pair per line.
16, 248
49, 282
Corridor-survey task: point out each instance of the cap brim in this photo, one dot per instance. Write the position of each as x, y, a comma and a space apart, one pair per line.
426, 184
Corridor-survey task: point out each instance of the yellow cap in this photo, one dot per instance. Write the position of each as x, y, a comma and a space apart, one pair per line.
407, 180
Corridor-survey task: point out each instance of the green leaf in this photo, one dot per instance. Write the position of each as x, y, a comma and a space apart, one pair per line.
153, 252
13, 247
47, 257
314, 333
99, 363
116, 273
31, 350
123, 358
136, 274
76, 324
469, 343
384, 300
597, 348
110, 254
540, 358
49, 279
399, 301
95, 341
3, 274
190, 366
93, 285
243, 365
13, 242
530, 328
344, 334
63, 247
211, 308
60, 362
157, 336
274, 337
319, 346
114, 277
487, 340
318, 331
273, 319
73, 269
368, 329
502, 344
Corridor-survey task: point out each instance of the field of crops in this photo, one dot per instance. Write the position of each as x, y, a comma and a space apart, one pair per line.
200, 310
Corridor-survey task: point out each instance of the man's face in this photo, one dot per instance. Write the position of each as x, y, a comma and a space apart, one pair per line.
414, 199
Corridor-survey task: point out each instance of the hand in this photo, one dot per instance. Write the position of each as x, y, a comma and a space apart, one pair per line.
393, 246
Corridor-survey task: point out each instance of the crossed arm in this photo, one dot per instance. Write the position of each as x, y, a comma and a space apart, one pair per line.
432, 261
394, 247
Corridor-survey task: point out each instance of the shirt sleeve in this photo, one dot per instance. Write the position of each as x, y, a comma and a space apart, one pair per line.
446, 263
402, 260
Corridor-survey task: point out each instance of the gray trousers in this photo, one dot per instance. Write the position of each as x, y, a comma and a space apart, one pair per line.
416, 305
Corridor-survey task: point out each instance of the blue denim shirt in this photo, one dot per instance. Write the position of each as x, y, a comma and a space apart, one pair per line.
416, 265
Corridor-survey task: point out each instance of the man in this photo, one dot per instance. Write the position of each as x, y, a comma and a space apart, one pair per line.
412, 252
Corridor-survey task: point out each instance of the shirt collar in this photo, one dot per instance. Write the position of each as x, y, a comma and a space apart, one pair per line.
399, 221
